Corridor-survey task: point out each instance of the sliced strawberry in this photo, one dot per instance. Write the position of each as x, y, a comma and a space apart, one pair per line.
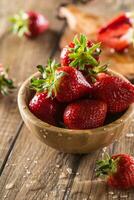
116, 92
30, 24
115, 43
85, 114
118, 169
65, 83
112, 34
120, 20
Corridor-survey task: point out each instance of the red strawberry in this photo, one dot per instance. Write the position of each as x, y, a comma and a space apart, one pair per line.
44, 108
119, 170
6, 84
65, 83
80, 53
72, 85
29, 23
115, 91
85, 114
114, 34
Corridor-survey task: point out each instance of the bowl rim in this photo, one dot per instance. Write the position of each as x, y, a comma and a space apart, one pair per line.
24, 110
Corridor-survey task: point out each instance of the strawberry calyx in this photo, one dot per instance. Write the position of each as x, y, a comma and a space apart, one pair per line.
49, 79
107, 166
93, 72
20, 23
6, 84
82, 54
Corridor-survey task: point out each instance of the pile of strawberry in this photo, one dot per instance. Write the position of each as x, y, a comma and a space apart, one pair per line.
79, 93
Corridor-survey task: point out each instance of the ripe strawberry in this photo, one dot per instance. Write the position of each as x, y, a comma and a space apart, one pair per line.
80, 53
30, 24
85, 114
119, 170
65, 83
118, 33
115, 91
44, 108
6, 84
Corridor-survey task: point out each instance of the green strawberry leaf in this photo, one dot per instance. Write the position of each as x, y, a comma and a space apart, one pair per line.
49, 79
83, 55
92, 49
106, 166
6, 84
20, 23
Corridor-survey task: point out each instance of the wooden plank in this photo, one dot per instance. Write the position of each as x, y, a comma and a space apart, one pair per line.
22, 55
86, 186
36, 171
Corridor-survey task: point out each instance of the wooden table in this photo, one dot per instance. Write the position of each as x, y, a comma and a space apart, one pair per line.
29, 169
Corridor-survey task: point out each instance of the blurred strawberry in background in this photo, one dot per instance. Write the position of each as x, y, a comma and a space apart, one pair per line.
6, 84
31, 24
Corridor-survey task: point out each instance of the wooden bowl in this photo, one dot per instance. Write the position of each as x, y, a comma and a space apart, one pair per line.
67, 140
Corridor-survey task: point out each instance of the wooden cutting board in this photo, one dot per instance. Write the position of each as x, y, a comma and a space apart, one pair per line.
87, 19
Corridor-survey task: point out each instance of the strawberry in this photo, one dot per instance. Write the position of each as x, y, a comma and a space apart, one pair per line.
115, 91
44, 108
81, 53
118, 33
6, 84
119, 170
85, 114
30, 24
65, 83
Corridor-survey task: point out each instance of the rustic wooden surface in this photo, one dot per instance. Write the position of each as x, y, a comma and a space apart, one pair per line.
29, 169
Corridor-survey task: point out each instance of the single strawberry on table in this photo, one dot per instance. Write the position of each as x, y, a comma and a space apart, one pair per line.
118, 33
81, 53
30, 24
63, 83
117, 92
6, 84
85, 114
118, 170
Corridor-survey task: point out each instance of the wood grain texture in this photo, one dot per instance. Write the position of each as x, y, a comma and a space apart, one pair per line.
87, 187
35, 171
22, 56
